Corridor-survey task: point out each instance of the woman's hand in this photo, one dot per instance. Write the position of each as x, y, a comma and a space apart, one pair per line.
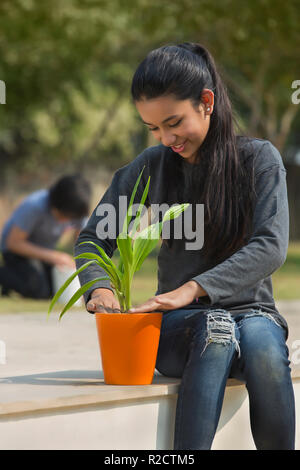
103, 300
172, 300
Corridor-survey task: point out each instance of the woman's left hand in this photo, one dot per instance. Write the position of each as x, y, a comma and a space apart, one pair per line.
180, 297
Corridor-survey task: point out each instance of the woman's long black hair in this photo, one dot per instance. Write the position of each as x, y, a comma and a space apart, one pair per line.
222, 178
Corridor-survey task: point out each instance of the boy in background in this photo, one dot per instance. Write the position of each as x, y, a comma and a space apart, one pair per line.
30, 235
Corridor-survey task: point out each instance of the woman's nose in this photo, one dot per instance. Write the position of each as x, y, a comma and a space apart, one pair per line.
168, 139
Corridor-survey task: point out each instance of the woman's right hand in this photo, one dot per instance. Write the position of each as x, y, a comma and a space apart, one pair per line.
103, 300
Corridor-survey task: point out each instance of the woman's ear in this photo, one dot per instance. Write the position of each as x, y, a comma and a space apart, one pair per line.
207, 100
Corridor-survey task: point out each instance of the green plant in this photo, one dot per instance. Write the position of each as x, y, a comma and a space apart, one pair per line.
133, 248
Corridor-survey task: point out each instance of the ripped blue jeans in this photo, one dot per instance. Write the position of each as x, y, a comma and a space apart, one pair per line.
205, 349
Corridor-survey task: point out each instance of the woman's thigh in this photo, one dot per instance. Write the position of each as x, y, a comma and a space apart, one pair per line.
264, 353
175, 338
196, 334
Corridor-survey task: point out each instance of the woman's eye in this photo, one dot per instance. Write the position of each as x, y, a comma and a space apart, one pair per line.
171, 125
176, 123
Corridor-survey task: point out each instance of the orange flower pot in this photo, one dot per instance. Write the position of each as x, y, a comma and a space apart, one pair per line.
128, 345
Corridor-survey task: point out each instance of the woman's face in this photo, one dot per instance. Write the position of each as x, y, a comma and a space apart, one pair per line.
178, 124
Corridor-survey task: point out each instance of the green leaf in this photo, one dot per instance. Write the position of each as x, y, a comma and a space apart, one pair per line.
89, 255
125, 248
138, 214
102, 252
121, 265
128, 214
144, 243
66, 284
174, 211
148, 238
108, 264
132, 252
79, 293
151, 232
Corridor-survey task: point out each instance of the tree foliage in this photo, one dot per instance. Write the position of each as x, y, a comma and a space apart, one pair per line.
68, 66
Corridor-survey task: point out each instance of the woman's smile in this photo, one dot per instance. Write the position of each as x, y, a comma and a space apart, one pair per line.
179, 148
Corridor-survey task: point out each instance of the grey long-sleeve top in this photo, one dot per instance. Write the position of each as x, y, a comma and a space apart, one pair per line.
240, 283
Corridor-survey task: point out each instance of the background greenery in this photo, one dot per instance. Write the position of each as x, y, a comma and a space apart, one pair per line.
68, 65
286, 282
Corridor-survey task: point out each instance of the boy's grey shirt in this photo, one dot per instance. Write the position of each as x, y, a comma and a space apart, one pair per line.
33, 215
240, 283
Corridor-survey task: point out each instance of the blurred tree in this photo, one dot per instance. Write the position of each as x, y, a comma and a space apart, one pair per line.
255, 46
68, 65
259, 58
50, 54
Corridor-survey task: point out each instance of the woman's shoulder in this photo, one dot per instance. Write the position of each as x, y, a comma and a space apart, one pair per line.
261, 152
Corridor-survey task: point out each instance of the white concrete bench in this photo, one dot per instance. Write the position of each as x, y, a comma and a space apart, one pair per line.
46, 404
77, 410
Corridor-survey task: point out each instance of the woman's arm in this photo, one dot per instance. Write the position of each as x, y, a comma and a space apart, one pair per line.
267, 248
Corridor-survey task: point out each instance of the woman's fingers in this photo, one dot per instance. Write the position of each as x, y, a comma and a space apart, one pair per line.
91, 306
151, 305
116, 307
102, 307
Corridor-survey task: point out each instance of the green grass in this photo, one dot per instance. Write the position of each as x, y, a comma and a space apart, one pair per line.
286, 281
144, 286
286, 286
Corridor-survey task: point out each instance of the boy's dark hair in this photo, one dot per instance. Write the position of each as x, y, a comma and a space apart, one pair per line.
71, 195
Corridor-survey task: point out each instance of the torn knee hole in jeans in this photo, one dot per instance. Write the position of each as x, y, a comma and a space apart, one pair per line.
221, 329
260, 313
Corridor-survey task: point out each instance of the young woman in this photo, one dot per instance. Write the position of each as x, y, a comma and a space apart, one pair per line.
220, 319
